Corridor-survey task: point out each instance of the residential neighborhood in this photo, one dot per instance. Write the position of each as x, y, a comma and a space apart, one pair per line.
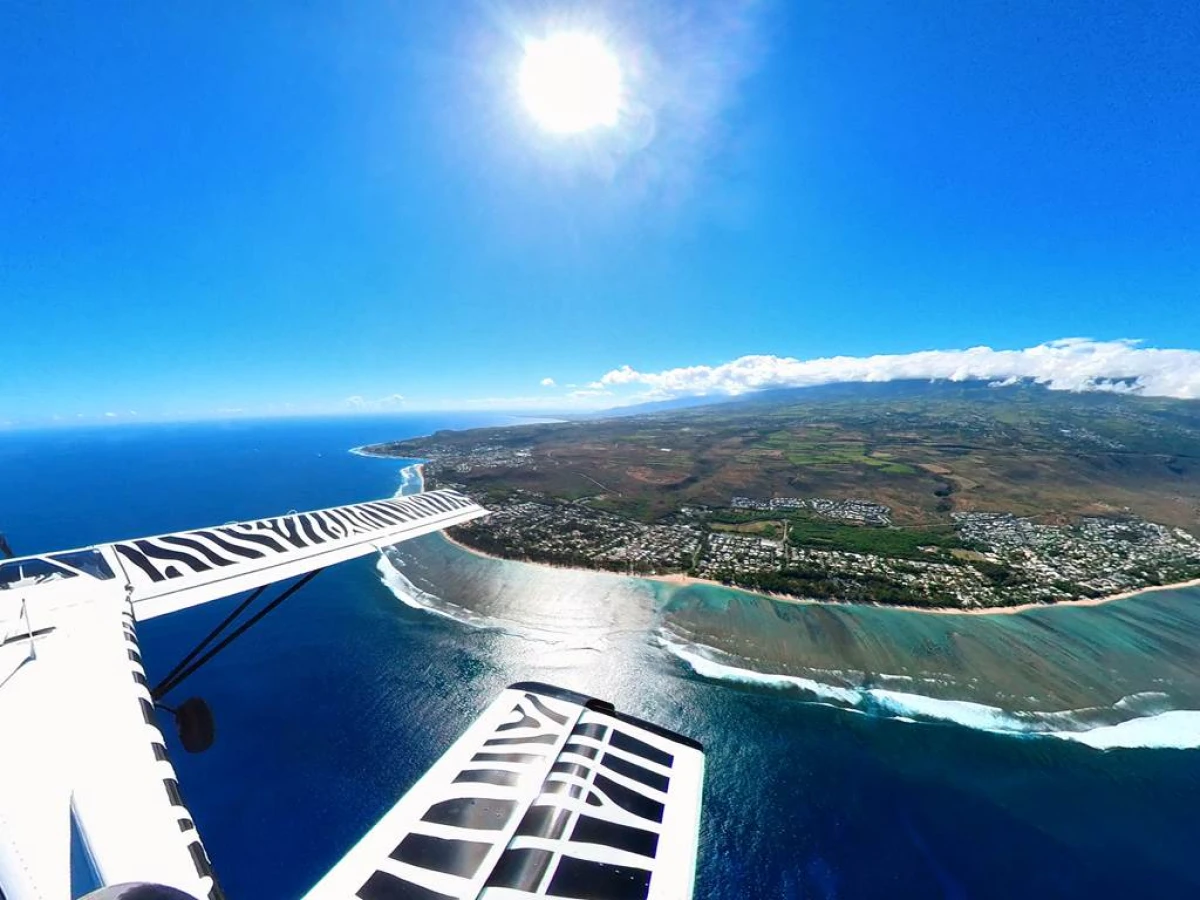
995, 559
863, 511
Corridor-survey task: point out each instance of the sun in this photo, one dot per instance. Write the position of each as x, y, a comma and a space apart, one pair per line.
571, 82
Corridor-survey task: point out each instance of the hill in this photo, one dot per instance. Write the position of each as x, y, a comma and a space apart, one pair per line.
923, 449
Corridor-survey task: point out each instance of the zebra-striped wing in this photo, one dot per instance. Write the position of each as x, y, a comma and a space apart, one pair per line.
548, 794
175, 571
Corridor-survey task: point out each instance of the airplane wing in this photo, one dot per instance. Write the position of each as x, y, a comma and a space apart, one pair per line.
549, 793
82, 758
169, 572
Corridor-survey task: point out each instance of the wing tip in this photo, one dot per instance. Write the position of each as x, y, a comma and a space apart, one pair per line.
603, 706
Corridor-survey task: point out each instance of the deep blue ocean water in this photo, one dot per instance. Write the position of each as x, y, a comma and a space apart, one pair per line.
332, 707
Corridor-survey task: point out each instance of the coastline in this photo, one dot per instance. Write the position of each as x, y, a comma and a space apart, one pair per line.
545, 565
681, 580
1004, 610
365, 451
516, 420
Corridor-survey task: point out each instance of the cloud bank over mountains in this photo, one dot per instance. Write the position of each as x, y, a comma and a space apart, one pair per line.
1072, 364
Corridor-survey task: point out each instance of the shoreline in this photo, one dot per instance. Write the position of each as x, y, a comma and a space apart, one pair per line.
364, 451
545, 565
681, 580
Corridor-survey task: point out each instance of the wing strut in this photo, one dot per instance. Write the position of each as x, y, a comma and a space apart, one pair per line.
184, 670
165, 685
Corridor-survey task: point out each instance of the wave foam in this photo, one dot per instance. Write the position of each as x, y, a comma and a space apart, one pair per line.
411, 595
694, 656
1178, 729
1153, 729
389, 566
412, 481
962, 712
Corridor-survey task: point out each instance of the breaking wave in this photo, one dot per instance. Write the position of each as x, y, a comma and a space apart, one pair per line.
1153, 726
1178, 728
409, 594
412, 480
704, 665
390, 566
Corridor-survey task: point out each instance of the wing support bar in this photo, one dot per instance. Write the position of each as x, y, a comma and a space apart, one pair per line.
185, 668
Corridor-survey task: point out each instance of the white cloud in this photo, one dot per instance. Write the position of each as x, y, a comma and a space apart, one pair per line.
547, 382
110, 415
1072, 364
362, 404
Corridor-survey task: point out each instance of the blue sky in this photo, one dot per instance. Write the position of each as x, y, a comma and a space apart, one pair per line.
275, 209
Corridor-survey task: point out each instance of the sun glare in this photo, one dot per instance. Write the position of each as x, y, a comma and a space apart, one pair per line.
570, 83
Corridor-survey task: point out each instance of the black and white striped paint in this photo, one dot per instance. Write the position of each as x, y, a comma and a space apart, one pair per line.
593, 829
554, 799
204, 550
158, 748
458, 832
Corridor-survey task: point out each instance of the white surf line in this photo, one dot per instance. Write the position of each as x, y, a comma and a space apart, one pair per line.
980, 716
412, 480
410, 595
1178, 729
694, 656
1172, 729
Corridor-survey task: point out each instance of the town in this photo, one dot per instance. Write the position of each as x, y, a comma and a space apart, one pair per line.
986, 559
851, 510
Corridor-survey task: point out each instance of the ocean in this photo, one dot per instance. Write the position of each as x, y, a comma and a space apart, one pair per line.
852, 752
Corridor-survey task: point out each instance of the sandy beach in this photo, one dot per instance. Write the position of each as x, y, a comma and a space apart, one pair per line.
678, 578
1007, 610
